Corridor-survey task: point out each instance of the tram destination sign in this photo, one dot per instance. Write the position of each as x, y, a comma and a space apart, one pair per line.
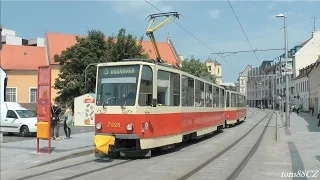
119, 71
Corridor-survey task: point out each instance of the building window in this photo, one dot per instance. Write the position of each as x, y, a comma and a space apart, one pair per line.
218, 71
33, 95
209, 68
11, 94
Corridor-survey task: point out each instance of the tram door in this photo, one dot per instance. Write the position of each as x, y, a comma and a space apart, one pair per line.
147, 95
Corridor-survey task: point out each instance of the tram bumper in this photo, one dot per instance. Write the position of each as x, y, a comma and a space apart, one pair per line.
102, 143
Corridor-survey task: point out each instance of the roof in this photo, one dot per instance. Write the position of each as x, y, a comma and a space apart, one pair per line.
305, 42
57, 42
214, 61
316, 64
16, 57
248, 67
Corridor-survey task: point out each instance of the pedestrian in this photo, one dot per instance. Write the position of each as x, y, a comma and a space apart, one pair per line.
55, 121
319, 118
67, 122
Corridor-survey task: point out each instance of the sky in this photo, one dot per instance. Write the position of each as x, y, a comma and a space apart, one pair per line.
206, 27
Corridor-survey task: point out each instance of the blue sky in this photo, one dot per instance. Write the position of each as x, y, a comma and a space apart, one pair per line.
212, 22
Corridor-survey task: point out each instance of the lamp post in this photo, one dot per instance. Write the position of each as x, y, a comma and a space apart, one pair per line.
287, 118
85, 75
261, 94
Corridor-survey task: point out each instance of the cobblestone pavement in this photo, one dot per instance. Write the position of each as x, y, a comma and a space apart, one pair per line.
170, 165
17, 137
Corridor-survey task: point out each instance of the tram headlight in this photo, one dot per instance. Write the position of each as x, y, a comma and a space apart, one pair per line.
99, 126
129, 127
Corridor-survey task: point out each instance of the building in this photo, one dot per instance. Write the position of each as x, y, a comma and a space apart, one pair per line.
253, 92
243, 80
301, 87
271, 82
314, 76
214, 67
21, 61
307, 54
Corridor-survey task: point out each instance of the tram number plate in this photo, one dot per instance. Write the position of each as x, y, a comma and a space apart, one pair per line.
113, 124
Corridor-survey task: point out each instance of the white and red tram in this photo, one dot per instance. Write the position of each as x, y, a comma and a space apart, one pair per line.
235, 110
142, 106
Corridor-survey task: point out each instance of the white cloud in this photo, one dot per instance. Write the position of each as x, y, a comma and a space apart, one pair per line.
214, 13
140, 8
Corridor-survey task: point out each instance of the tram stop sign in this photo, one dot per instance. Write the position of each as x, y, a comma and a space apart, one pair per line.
286, 65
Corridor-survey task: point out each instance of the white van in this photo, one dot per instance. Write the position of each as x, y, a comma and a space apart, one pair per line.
16, 119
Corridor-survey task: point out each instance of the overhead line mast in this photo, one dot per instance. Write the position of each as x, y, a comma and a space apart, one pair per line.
170, 17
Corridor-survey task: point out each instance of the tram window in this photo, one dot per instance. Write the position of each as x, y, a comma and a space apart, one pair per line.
222, 98
233, 100
239, 100
208, 89
187, 91
199, 94
215, 96
145, 95
168, 88
228, 99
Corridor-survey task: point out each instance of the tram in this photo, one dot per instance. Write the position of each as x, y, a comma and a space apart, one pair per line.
143, 106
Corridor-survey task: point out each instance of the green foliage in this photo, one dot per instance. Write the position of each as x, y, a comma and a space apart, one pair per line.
230, 88
92, 49
197, 68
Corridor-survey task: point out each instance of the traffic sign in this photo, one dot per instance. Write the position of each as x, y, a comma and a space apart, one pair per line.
286, 65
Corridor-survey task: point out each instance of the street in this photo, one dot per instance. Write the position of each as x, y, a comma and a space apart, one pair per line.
17, 137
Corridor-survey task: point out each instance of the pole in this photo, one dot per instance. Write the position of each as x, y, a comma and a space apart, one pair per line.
261, 94
273, 94
287, 75
85, 76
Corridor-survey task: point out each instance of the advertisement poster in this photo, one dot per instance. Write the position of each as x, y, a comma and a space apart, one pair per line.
89, 104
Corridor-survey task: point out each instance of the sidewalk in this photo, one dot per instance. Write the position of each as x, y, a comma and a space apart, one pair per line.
303, 141
21, 155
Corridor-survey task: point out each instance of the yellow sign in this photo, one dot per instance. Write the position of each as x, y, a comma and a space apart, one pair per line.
113, 124
120, 71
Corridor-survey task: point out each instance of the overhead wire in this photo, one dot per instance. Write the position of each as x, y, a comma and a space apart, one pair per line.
244, 32
193, 36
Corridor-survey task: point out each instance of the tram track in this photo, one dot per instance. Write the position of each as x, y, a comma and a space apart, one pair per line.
254, 113
239, 168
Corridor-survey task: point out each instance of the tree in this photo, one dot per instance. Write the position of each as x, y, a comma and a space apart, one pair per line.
230, 88
92, 49
197, 68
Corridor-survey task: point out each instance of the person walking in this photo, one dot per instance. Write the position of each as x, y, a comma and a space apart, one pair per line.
67, 122
319, 119
55, 121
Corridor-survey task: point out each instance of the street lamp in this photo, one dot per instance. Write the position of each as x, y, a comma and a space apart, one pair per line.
286, 75
260, 94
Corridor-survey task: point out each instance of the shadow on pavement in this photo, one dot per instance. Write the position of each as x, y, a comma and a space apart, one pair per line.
311, 120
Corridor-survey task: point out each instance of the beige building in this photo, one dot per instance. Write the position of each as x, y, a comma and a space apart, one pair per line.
314, 95
214, 67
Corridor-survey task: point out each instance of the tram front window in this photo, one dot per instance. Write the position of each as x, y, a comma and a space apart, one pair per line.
117, 85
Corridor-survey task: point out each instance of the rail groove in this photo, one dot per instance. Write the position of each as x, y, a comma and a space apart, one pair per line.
201, 166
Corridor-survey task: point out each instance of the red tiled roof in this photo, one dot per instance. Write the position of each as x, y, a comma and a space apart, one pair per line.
15, 57
57, 42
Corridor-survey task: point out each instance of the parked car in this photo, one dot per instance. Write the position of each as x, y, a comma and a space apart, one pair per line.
16, 119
